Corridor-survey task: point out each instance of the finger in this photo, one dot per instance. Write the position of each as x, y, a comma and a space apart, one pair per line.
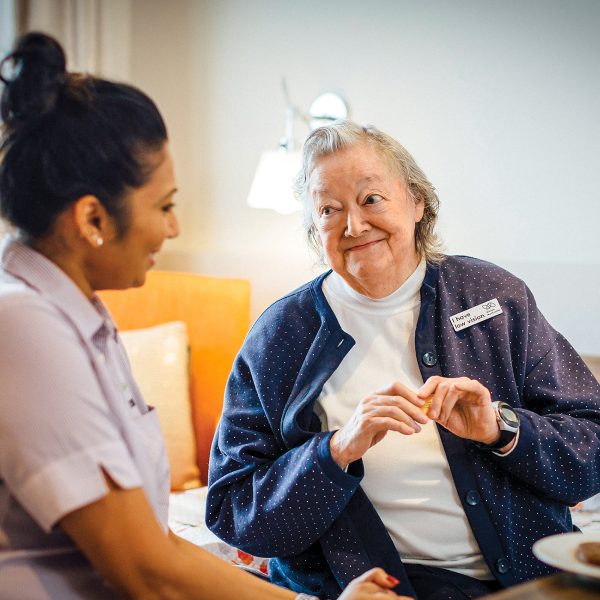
385, 580
482, 394
391, 424
375, 425
450, 401
378, 576
418, 412
371, 574
438, 398
397, 388
393, 412
368, 591
428, 388
371, 591
413, 405
398, 407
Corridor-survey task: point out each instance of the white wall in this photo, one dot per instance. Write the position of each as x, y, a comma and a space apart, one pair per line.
7, 25
498, 102
7, 31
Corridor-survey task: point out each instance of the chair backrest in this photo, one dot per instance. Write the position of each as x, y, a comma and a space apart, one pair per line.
593, 363
217, 314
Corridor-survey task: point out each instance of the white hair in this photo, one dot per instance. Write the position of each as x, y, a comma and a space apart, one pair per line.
342, 134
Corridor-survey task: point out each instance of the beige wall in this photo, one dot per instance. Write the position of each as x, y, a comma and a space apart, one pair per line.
222, 110
497, 101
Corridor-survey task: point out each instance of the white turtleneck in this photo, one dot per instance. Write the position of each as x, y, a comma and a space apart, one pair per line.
407, 478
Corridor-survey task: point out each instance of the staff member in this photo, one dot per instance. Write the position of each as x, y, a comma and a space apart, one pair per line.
86, 179
405, 409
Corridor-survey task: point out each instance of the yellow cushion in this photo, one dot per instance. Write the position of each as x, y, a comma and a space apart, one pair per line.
160, 364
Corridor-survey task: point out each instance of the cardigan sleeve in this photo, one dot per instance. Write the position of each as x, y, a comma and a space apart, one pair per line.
558, 451
263, 497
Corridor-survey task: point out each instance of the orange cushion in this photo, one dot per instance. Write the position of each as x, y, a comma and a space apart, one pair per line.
217, 314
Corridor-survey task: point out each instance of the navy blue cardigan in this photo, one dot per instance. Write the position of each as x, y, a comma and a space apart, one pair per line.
275, 491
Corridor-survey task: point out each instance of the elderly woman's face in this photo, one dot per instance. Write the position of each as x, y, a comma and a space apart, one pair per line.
365, 220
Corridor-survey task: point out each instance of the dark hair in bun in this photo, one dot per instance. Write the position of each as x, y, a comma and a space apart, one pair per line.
38, 74
66, 135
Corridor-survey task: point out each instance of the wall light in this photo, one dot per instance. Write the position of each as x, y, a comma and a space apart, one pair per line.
272, 187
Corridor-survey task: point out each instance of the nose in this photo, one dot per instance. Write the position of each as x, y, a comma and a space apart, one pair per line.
172, 226
356, 224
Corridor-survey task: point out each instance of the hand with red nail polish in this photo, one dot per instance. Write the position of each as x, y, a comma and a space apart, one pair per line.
375, 583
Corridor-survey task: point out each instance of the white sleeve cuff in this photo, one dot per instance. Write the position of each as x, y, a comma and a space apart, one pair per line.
76, 481
514, 446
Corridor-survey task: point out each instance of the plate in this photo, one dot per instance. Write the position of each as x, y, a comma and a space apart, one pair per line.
561, 551
248, 562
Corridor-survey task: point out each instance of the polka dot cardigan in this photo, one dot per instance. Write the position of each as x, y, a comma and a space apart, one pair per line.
275, 491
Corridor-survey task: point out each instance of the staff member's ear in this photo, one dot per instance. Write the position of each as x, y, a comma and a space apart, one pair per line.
92, 220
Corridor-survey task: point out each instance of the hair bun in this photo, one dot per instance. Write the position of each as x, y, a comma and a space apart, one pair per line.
34, 74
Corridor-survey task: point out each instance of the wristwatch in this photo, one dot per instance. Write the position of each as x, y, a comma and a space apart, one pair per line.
508, 421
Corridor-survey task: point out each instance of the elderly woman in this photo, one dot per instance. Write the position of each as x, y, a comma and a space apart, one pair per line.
405, 409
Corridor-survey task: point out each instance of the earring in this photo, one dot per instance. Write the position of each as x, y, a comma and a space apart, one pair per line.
96, 238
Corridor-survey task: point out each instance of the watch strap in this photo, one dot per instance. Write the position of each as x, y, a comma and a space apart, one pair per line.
505, 438
507, 433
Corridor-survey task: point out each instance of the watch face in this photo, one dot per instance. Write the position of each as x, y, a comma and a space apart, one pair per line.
508, 415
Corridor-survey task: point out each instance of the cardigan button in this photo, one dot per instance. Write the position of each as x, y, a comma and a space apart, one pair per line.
429, 359
472, 497
502, 566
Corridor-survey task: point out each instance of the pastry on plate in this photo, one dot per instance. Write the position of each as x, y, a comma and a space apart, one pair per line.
589, 552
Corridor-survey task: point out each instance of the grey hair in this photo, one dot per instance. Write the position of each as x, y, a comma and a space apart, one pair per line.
342, 134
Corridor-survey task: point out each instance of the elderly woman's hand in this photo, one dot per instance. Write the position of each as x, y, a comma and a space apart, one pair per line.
394, 408
463, 406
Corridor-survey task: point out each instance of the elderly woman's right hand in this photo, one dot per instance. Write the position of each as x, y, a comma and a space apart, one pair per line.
375, 583
393, 408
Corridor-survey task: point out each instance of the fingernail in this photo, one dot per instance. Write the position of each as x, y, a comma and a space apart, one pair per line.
393, 580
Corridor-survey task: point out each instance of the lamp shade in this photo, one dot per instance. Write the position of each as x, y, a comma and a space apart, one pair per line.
272, 186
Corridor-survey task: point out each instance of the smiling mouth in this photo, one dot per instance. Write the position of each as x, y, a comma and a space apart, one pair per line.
364, 246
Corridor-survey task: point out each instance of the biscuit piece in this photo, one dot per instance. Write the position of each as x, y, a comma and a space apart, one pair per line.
589, 552
425, 407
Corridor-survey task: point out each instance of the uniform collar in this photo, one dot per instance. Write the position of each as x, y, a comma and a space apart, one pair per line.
55, 286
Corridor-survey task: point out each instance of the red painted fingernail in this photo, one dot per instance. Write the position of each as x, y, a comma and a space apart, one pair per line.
393, 580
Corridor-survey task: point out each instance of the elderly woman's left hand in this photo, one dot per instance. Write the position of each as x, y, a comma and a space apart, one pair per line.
463, 406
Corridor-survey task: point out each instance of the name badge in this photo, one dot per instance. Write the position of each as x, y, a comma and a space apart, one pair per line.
477, 314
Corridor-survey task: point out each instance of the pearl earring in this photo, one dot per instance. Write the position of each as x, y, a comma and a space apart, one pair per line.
96, 238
